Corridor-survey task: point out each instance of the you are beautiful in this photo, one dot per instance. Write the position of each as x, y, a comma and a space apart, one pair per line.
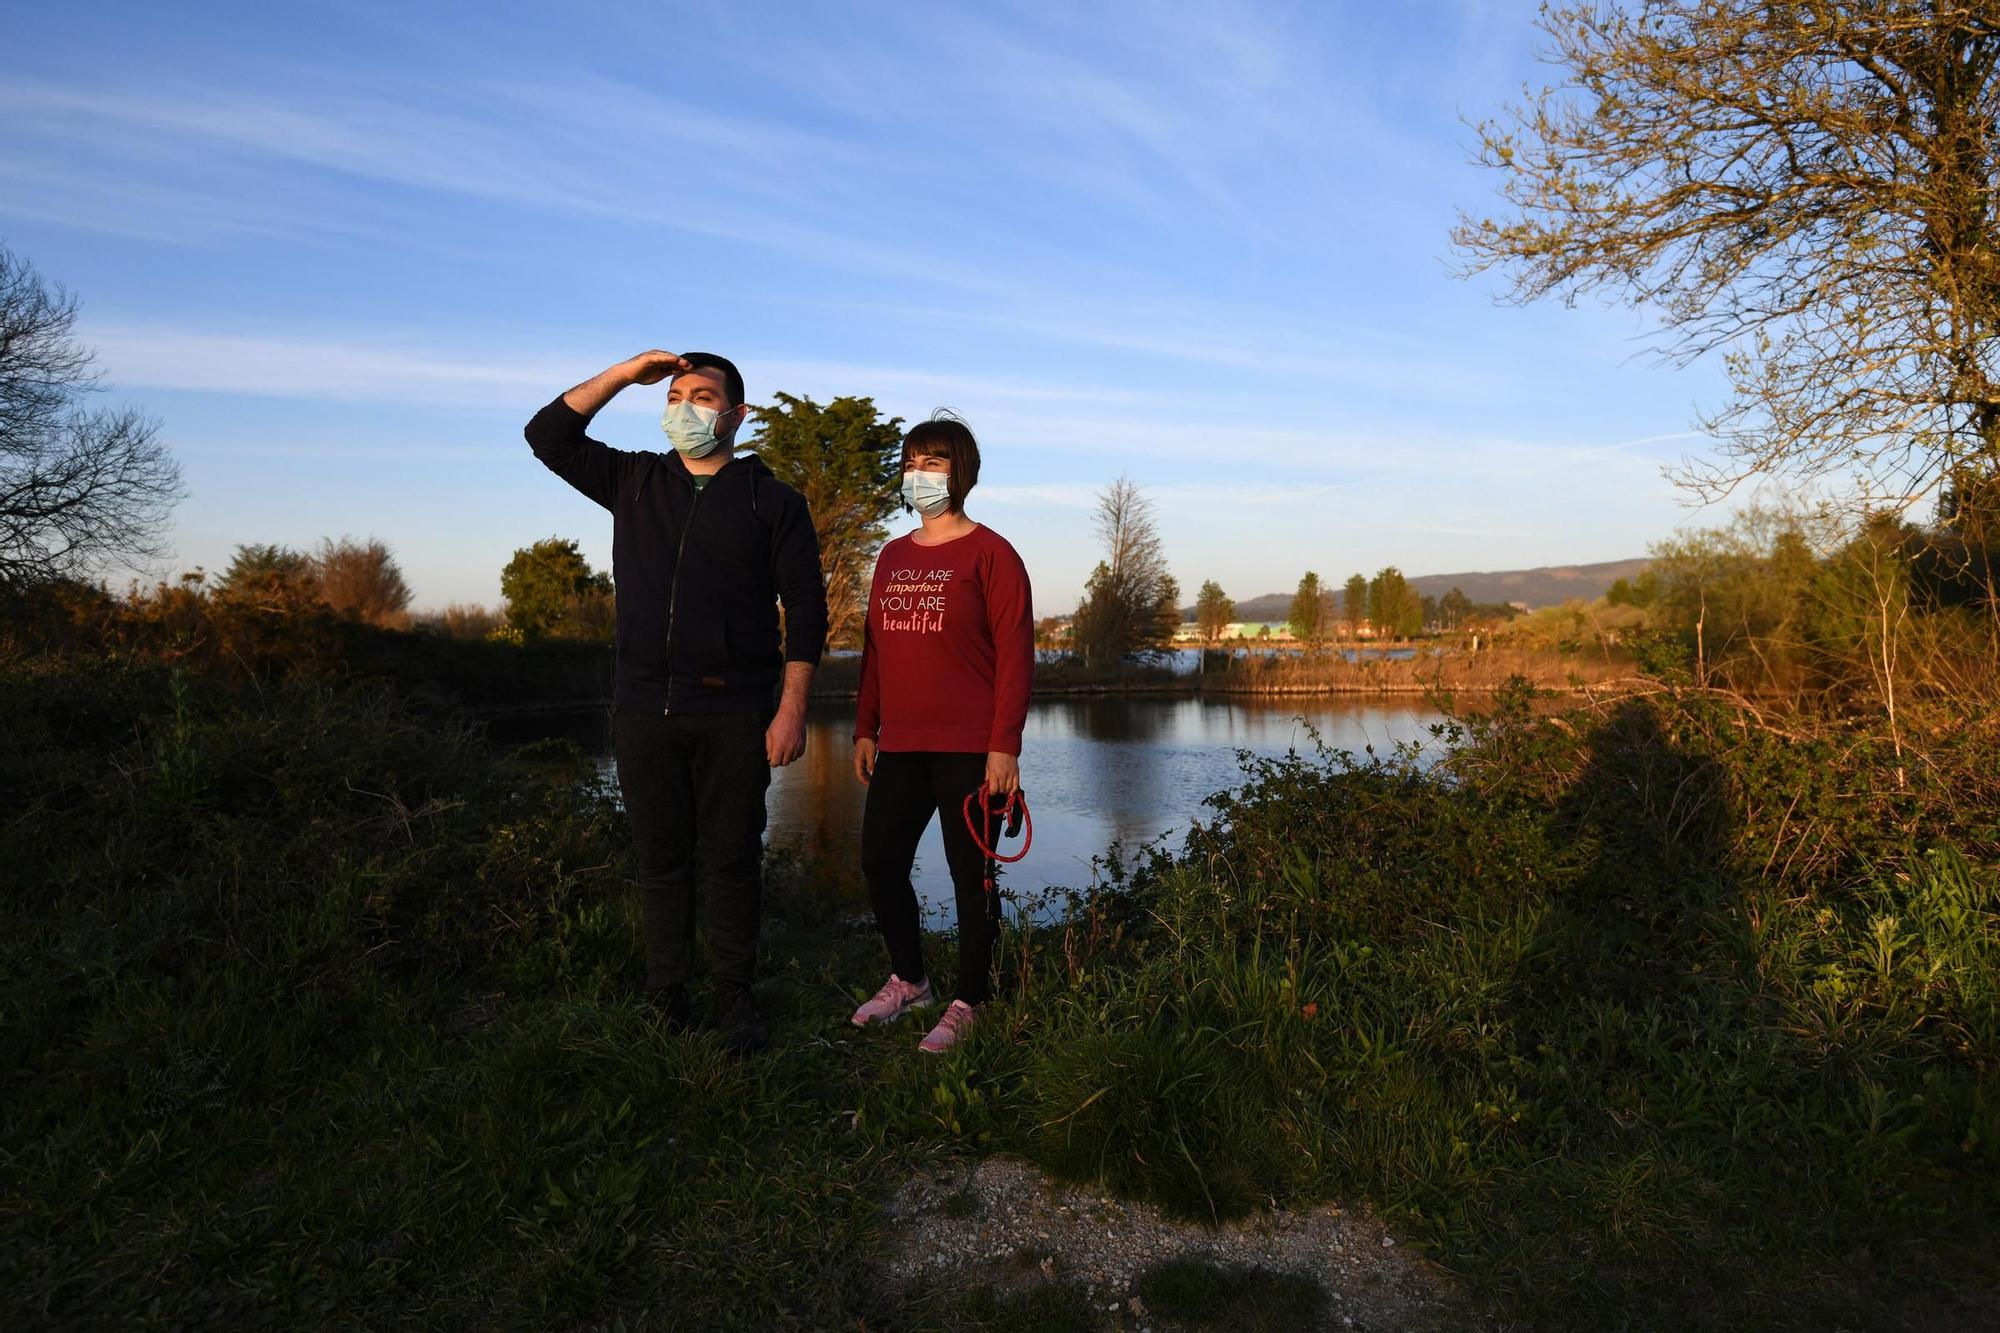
912, 601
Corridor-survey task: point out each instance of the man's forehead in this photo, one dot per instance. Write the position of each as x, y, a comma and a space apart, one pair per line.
709, 374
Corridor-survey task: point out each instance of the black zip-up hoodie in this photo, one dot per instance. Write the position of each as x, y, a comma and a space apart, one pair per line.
699, 574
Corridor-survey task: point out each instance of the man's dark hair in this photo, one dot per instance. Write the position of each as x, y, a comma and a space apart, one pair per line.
948, 437
732, 378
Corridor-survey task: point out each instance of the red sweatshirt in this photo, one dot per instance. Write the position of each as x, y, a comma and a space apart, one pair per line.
949, 653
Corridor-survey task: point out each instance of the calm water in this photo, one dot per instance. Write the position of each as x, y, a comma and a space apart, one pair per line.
1097, 770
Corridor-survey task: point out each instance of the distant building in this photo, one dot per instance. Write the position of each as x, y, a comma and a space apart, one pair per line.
1257, 631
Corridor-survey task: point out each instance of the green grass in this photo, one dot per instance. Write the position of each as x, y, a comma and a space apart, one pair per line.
1048, 1307
314, 1010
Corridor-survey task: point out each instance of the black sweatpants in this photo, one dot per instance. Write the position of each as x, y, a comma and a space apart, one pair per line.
907, 789
694, 792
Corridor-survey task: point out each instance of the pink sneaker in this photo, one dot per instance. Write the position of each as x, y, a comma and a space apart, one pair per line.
889, 1003
956, 1021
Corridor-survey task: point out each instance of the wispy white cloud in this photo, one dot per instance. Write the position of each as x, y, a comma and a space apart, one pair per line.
535, 147
406, 366
389, 370
1036, 423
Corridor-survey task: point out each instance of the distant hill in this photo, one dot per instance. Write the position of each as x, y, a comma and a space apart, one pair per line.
1549, 585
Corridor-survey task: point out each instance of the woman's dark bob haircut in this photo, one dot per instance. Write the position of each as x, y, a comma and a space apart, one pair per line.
946, 436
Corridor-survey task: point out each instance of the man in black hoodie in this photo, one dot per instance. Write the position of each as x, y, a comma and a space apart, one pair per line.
704, 545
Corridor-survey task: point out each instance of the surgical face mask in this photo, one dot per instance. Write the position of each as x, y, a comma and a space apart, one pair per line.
929, 493
691, 428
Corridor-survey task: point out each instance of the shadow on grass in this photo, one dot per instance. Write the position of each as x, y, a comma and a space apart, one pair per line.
1201, 1294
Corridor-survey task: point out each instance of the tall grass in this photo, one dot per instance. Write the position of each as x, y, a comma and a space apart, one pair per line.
1454, 668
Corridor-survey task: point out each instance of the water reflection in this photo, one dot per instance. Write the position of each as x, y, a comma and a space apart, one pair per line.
1098, 770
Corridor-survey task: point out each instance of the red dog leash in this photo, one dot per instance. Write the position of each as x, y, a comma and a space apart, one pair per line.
1014, 810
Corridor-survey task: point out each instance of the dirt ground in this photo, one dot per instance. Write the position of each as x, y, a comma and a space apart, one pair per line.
1003, 1223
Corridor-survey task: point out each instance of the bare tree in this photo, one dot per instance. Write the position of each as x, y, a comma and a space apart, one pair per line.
1806, 187
1129, 598
79, 488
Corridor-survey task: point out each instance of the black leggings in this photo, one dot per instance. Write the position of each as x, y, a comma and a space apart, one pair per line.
908, 787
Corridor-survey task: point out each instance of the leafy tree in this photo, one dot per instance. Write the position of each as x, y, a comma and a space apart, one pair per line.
1354, 601
1806, 187
270, 576
1167, 610
1737, 597
1453, 608
1492, 613
1640, 592
79, 487
1306, 617
846, 460
1121, 608
1860, 611
552, 591
1213, 610
1393, 605
362, 581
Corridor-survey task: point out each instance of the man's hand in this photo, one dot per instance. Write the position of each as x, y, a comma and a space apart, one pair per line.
654, 366
645, 368
864, 759
1003, 773
785, 738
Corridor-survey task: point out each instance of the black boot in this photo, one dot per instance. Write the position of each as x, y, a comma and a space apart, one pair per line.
739, 1023
671, 1002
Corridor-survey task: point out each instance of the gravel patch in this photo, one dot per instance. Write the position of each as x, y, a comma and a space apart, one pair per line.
1003, 1223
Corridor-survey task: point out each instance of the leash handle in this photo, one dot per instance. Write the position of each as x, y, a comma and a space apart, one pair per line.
1016, 814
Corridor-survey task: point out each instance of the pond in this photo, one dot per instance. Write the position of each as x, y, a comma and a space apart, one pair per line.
1097, 770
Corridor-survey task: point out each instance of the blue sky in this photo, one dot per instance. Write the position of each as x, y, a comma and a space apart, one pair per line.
344, 253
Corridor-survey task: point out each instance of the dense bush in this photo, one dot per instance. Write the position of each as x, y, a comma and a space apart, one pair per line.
250, 641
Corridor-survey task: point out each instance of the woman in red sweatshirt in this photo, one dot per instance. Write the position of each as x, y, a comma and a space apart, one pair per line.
946, 664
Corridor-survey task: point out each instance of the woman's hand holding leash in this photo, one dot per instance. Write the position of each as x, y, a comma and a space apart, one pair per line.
989, 817
1003, 773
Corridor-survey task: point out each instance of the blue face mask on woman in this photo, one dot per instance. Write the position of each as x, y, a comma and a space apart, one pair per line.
929, 493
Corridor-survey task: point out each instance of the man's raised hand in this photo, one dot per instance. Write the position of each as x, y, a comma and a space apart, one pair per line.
654, 366
645, 368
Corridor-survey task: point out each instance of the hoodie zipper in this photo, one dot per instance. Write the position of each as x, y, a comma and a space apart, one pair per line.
674, 591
